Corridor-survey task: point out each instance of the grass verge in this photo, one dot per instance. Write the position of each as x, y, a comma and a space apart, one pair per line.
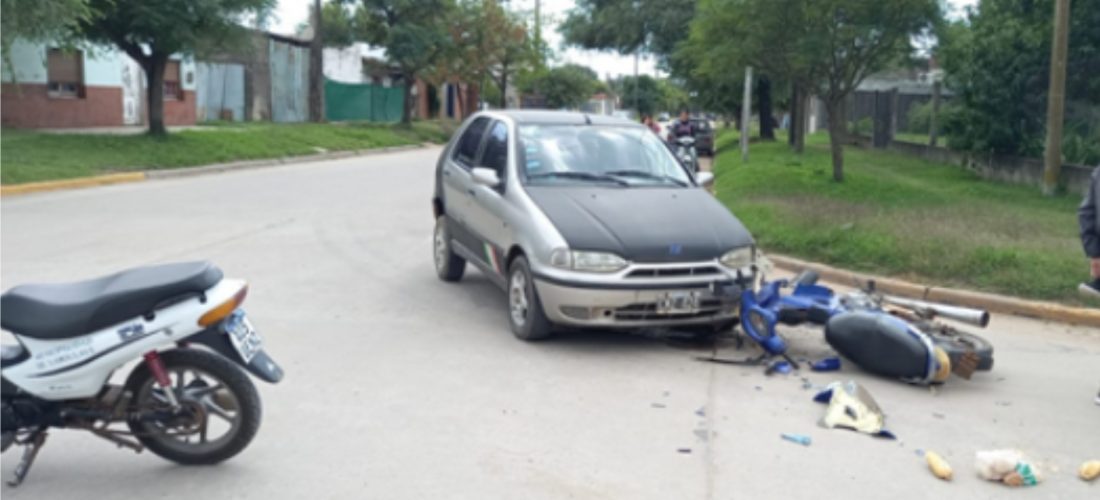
33, 156
902, 216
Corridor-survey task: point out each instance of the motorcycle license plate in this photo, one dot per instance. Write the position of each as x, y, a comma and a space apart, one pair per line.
243, 336
678, 303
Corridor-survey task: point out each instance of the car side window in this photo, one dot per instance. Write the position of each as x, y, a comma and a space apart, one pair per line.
495, 155
466, 151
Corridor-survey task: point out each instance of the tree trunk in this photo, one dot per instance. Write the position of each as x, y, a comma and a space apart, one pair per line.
792, 134
764, 100
154, 74
316, 74
835, 109
504, 86
460, 93
406, 113
933, 125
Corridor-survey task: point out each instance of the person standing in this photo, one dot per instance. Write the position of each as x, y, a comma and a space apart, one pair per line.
649, 122
1089, 219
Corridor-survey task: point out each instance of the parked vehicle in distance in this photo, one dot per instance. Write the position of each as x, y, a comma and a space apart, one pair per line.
191, 405
704, 136
586, 221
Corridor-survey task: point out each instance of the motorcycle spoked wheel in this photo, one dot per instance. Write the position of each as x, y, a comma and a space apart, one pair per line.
220, 411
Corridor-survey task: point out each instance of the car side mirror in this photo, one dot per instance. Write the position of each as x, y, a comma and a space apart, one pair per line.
705, 179
486, 177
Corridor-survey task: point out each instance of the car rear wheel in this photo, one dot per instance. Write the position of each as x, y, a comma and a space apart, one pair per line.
448, 265
525, 314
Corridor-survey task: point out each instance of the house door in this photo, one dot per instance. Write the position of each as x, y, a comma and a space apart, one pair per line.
132, 92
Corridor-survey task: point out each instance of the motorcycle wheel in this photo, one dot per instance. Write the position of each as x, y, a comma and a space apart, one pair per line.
220, 408
956, 343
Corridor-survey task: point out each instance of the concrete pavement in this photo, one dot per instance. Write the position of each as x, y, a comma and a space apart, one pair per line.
401, 386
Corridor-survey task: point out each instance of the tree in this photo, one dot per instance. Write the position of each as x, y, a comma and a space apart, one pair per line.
643, 90
38, 21
316, 71
854, 38
629, 26
150, 31
998, 63
486, 42
413, 32
567, 86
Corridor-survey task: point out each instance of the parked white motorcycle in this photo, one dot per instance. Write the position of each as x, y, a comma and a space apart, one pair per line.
188, 400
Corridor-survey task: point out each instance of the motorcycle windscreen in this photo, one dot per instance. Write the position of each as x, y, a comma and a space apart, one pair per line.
878, 343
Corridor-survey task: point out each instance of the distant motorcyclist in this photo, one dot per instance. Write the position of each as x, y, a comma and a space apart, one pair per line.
682, 127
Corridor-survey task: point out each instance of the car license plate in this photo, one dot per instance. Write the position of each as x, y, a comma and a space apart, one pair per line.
243, 336
678, 303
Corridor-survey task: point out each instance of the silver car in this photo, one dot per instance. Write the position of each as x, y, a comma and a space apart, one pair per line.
586, 221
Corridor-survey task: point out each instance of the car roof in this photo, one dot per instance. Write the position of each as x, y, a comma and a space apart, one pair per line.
546, 117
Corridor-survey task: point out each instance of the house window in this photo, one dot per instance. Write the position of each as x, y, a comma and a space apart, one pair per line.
65, 73
172, 88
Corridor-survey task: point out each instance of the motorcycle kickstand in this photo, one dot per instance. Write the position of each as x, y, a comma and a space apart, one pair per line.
30, 451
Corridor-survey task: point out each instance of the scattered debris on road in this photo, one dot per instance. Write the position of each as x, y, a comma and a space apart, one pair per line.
797, 438
1010, 467
830, 364
657, 405
939, 467
852, 407
1089, 470
685, 451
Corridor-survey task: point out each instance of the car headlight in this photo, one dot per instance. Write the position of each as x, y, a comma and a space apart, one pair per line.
593, 262
739, 258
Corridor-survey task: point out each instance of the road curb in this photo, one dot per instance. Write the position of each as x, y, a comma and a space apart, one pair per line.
79, 182
990, 302
102, 180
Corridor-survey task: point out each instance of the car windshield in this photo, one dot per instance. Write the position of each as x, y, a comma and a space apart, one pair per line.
617, 156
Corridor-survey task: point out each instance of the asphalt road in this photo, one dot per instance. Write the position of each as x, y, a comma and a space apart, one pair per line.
401, 386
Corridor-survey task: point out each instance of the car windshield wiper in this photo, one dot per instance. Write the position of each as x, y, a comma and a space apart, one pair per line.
584, 176
647, 175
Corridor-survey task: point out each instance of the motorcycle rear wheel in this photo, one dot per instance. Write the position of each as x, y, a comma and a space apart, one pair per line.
956, 343
214, 394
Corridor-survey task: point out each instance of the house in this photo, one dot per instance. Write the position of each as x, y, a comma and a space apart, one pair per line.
264, 79
600, 103
50, 87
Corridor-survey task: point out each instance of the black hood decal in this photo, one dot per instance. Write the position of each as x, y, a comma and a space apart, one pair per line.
645, 224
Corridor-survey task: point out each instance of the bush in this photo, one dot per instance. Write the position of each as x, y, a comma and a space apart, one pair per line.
920, 118
864, 126
1081, 144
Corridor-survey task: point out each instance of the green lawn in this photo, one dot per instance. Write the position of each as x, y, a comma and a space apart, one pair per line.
902, 216
31, 156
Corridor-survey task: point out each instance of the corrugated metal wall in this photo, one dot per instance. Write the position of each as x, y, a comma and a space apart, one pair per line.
363, 101
289, 82
220, 88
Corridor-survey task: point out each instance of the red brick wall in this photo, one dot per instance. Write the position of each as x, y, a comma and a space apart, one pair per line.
29, 107
180, 112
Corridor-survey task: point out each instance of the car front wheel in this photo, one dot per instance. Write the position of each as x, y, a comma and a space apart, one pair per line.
525, 314
448, 265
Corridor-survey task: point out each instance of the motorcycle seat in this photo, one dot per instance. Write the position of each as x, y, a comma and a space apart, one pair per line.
65, 310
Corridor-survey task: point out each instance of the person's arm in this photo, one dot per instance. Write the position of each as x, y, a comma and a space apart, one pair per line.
1087, 218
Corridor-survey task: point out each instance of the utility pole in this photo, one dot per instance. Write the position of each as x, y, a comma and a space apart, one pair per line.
538, 32
746, 114
1056, 97
933, 126
316, 70
636, 85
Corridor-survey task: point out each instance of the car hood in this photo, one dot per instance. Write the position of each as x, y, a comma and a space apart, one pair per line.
642, 224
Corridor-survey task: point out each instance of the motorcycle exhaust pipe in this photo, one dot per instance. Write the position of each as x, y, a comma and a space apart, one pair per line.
967, 315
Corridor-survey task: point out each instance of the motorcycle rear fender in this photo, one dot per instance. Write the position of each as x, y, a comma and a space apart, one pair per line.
262, 366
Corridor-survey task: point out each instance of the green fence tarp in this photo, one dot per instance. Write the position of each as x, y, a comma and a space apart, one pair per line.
362, 102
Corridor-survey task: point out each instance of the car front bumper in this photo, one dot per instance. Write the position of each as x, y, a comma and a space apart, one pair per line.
584, 305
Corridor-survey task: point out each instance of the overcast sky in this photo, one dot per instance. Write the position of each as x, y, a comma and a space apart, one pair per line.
290, 13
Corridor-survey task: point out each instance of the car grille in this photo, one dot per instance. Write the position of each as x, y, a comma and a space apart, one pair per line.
678, 272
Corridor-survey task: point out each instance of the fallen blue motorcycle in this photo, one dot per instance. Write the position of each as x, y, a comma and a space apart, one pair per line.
885, 335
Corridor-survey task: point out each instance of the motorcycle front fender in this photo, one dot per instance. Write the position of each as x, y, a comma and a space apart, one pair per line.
261, 365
